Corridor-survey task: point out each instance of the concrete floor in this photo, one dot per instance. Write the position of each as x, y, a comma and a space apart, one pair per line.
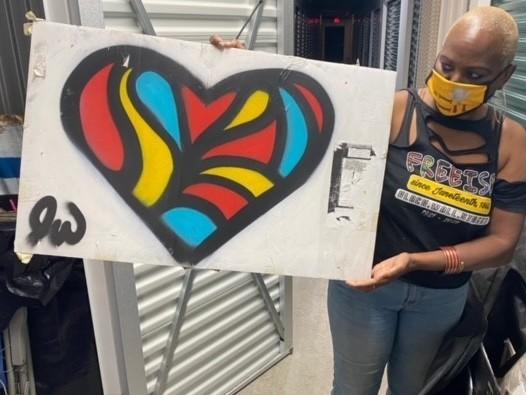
308, 371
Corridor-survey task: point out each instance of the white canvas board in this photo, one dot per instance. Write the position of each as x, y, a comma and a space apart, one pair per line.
162, 151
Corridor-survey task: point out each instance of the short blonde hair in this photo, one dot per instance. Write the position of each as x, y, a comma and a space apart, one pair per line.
494, 20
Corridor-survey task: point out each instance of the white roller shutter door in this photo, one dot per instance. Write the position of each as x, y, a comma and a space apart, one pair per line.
195, 20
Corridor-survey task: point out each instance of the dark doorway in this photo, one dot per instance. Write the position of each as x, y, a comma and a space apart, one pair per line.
334, 43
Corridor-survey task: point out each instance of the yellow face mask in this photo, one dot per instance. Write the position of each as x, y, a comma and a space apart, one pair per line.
453, 98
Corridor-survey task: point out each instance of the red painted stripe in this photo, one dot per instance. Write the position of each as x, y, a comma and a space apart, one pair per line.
201, 115
258, 146
226, 200
99, 128
314, 103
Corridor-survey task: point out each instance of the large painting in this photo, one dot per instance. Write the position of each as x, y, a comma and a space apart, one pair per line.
151, 150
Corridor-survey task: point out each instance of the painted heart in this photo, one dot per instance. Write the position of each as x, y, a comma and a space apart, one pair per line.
196, 164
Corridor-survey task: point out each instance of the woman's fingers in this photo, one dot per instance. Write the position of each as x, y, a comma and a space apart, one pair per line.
383, 273
218, 42
365, 286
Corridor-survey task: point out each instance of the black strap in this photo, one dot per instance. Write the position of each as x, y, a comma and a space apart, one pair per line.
468, 151
488, 127
499, 120
404, 136
510, 196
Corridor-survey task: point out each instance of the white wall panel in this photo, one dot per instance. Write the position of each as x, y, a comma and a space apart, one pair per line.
195, 20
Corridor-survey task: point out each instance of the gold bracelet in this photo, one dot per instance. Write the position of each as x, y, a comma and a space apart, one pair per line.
454, 264
447, 254
460, 262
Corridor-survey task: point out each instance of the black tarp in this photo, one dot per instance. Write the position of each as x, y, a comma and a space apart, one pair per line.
61, 334
473, 355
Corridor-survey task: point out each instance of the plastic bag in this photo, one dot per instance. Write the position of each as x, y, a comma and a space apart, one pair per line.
514, 382
473, 356
27, 285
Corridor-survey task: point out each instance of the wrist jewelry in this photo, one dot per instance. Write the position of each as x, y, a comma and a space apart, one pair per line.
454, 264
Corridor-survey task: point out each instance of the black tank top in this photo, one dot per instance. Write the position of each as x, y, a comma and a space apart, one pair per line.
428, 200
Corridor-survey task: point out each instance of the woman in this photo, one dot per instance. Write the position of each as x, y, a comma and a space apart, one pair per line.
453, 201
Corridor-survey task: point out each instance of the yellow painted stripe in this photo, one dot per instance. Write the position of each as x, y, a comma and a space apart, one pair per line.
157, 159
449, 195
255, 105
255, 182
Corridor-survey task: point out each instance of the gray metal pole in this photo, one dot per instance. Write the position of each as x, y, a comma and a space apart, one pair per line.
404, 43
254, 26
258, 4
383, 32
175, 330
142, 17
269, 304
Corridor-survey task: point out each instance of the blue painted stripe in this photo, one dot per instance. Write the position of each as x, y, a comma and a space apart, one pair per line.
155, 92
297, 135
9, 167
192, 226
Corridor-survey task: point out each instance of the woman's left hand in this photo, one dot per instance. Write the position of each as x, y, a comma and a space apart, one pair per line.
220, 43
385, 272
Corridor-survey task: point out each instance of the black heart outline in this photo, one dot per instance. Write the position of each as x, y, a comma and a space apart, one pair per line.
143, 59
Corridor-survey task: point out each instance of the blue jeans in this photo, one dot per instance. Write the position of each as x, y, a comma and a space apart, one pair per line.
399, 325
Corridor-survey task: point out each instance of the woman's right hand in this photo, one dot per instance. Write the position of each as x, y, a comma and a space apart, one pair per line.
218, 42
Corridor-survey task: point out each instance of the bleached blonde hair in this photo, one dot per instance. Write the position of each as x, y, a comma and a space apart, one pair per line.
497, 21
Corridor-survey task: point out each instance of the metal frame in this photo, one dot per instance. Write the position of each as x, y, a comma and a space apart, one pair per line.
142, 17
255, 22
417, 10
286, 313
371, 44
78, 12
404, 40
173, 338
259, 3
129, 326
111, 290
269, 304
349, 37
404, 43
383, 31
286, 30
